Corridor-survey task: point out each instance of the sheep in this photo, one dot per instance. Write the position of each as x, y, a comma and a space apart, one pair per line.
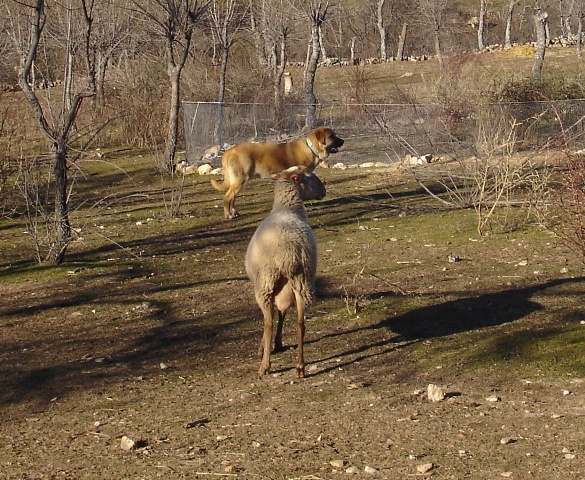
281, 259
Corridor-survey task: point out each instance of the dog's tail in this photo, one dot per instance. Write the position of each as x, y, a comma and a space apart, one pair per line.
225, 184
220, 186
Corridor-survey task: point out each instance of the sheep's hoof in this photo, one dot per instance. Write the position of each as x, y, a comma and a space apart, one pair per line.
301, 371
233, 215
263, 370
279, 348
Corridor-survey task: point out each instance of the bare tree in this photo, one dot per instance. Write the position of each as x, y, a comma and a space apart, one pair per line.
381, 28
58, 132
272, 27
113, 27
315, 11
226, 20
402, 42
175, 21
481, 24
566, 10
540, 22
580, 12
509, 18
434, 13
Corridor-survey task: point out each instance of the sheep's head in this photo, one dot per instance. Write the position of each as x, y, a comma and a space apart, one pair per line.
309, 185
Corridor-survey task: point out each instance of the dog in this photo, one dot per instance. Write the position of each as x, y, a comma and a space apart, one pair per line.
248, 160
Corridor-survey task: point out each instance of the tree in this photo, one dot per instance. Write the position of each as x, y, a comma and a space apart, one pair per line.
226, 20
271, 26
580, 14
540, 22
433, 12
114, 26
59, 132
509, 17
565, 13
381, 28
481, 24
315, 11
175, 21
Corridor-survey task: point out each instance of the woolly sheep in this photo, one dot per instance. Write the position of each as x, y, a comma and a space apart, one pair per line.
281, 259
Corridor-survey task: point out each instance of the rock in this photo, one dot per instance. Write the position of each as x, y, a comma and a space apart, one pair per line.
371, 471
221, 438
204, 169
367, 165
506, 474
424, 468
507, 440
190, 170
340, 166
435, 393
127, 444
454, 258
352, 470
493, 399
338, 463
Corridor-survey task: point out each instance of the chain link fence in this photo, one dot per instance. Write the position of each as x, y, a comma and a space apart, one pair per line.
387, 132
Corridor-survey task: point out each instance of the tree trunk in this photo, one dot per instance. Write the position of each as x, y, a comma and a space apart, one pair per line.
62, 238
401, 43
579, 38
382, 30
278, 74
218, 132
540, 21
102, 65
508, 35
309, 80
352, 51
173, 127
438, 50
322, 44
481, 25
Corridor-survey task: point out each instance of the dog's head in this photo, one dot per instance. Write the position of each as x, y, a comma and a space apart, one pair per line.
325, 141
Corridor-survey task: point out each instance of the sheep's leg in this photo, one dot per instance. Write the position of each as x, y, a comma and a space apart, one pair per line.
278, 347
268, 312
300, 335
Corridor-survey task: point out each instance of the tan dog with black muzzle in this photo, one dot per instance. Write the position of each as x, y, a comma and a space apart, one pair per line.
248, 160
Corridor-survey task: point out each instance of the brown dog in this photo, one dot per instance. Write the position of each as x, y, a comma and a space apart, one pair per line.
249, 160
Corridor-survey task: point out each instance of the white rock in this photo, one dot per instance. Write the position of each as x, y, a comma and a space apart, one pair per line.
190, 170
371, 471
435, 393
507, 440
352, 470
204, 169
338, 463
340, 166
367, 165
493, 398
127, 444
424, 468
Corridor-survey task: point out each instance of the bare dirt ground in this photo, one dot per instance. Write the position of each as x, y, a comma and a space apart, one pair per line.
156, 343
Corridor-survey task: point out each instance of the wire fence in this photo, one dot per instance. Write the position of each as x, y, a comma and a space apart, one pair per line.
390, 131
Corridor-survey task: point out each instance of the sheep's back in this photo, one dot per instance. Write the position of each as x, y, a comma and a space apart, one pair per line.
282, 246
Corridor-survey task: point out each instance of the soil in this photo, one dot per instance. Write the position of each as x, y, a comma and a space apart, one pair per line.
144, 365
